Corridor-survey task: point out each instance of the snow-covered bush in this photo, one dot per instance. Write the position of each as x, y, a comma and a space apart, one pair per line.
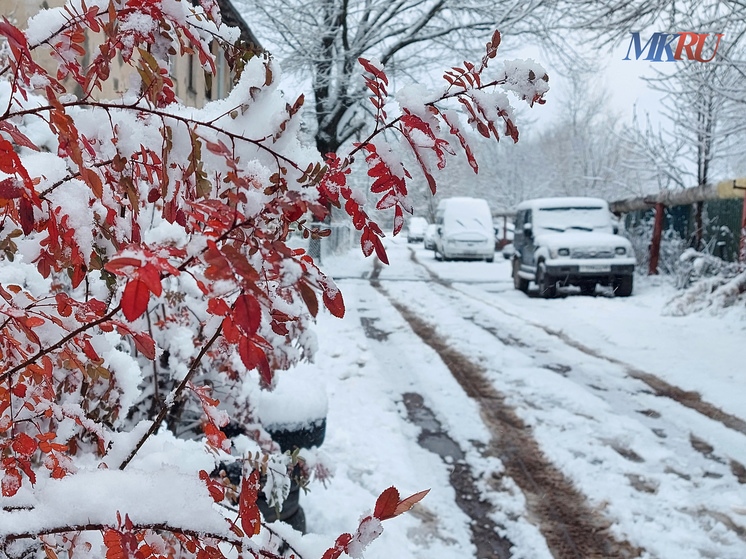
671, 248
147, 287
695, 266
707, 283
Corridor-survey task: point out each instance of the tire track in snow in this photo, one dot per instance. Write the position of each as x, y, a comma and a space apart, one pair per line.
570, 526
660, 387
489, 544
484, 531
460, 298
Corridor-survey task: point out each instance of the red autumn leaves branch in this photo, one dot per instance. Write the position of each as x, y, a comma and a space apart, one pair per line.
233, 194
388, 505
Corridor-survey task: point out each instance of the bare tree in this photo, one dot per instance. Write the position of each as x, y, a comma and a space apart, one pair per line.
323, 39
581, 153
613, 19
706, 124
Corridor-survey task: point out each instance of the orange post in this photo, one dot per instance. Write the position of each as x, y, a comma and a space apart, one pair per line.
742, 243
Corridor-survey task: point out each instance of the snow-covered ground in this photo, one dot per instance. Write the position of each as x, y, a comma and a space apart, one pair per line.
662, 474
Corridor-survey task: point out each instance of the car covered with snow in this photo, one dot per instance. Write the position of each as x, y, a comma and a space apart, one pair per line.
504, 233
430, 236
464, 229
570, 241
416, 229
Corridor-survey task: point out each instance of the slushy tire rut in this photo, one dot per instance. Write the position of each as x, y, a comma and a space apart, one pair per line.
571, 527
691, 400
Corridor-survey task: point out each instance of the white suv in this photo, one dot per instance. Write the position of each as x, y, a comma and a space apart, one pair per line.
570, 241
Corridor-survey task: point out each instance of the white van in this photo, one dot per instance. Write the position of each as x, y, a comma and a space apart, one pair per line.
464, 230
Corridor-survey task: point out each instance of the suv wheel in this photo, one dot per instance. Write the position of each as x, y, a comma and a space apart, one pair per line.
623, 286
519, 283
547, 284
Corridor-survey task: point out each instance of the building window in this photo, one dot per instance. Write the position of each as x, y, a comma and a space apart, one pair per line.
220, 75
190, 74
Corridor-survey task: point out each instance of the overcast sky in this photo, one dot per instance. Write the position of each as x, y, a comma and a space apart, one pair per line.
622, 79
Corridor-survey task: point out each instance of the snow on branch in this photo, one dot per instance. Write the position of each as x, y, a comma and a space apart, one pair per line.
147, 286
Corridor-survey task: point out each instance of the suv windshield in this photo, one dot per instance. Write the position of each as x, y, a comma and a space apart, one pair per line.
575, 218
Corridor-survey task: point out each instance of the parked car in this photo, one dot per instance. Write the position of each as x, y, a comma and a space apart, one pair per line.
430, 235
504, 232
416, 229
570, 241
464, 230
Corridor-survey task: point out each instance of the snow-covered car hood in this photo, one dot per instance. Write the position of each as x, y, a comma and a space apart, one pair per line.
582, 239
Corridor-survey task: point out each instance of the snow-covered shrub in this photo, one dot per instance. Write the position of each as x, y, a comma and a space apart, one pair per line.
696, 266
707, 282
147, 288
671, 248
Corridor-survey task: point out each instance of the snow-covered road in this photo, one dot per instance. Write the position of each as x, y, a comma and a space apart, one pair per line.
574, 421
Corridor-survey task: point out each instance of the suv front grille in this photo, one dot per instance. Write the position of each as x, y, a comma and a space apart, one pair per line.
584, 253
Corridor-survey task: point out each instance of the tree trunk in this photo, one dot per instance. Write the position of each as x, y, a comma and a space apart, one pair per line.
655, 245
698, 210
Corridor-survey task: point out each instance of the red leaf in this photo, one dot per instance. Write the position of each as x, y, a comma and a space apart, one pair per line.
495, 39
11, 188
309, 297
135, 299
26, 215
333, 301
365, 63
34, 321
18, 137
216, 438
366, 242
380, 251
113, 543
115, 266
217, 491
398, 220
11, 482
145, 345
247, 314
247, 509
150, 276
79, 274
15, 36
63, 304
25, 465
386, 504
92, 179
231, 333
218, 307
253, 357
219, 267
23, 444
90, 353
340, 546
406, 504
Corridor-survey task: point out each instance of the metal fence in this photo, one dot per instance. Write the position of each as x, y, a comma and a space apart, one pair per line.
721, 225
